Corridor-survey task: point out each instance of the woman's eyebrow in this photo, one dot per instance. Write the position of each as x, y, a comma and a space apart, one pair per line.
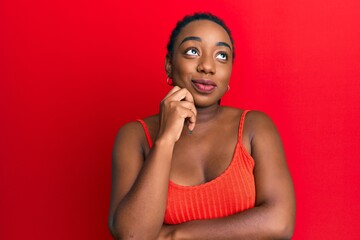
190, 38
223, 44
200, 40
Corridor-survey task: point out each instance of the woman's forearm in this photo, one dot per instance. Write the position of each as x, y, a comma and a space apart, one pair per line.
140, 214
262, 222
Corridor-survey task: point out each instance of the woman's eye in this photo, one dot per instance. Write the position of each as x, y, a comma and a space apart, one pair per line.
222, 56
192, 52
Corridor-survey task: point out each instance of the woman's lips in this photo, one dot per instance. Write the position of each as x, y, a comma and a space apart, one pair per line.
203, 85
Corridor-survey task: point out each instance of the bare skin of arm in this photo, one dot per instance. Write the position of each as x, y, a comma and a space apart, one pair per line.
139, 190
273, 216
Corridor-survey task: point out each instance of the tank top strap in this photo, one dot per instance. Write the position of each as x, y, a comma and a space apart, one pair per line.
146, 130
242, 120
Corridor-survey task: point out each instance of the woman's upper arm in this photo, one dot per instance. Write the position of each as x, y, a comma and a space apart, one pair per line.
273, 181
127, 161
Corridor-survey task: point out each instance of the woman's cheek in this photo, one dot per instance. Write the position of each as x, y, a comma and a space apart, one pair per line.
182, 77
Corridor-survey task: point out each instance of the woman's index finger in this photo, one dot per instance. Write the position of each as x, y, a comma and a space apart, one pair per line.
173, 90
188, 97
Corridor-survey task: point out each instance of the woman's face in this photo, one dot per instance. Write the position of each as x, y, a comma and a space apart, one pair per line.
202, 61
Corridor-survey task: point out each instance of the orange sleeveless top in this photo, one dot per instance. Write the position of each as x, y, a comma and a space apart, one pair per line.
231, 192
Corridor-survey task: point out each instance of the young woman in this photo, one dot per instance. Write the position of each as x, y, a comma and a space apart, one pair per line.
199, 170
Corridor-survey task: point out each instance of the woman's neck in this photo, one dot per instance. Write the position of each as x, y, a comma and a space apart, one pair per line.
207, 114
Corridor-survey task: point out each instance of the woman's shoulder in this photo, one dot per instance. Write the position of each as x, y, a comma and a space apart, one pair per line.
254, 120
138, 126
135, 132
152, 121
260, 124
258, 118
130, 132
143, 126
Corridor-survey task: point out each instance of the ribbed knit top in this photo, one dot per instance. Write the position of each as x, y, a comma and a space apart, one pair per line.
231, 192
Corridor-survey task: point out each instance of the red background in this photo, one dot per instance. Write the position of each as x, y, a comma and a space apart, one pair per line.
72, 72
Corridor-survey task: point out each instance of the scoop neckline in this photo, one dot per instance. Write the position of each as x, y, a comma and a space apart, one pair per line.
222, 174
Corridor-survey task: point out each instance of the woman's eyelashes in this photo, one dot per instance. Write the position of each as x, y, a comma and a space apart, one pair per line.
222, 56
193, 52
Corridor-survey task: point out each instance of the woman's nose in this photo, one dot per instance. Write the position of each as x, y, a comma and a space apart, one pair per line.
206, 65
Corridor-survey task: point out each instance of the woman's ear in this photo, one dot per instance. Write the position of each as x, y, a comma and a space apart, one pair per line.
168, 66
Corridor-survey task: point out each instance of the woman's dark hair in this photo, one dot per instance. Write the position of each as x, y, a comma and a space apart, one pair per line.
195, 17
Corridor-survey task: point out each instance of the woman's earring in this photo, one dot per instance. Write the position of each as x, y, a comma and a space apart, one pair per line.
169, 81
228, 87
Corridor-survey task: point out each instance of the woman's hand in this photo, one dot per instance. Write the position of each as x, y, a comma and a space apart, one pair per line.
176, 107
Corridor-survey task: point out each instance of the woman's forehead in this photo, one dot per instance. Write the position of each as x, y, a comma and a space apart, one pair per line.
204, 29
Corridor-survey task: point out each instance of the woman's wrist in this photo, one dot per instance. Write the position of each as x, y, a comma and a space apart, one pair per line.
164, 142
